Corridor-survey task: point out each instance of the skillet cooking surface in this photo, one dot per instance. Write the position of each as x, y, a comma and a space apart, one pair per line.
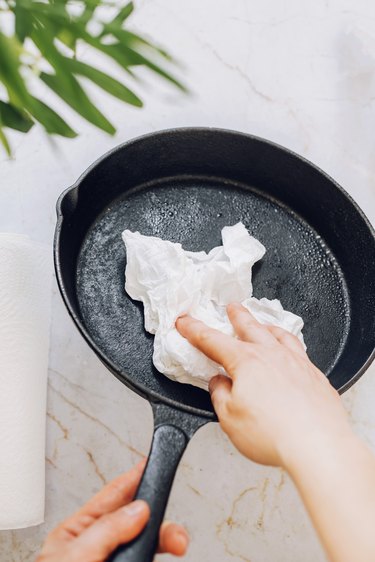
298, 269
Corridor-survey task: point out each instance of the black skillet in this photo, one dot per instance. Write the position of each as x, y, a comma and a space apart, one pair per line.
184, 185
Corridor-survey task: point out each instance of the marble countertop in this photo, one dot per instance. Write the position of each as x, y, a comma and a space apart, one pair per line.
299, 73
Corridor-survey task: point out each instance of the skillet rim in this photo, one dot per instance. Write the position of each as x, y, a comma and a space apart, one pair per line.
139, 388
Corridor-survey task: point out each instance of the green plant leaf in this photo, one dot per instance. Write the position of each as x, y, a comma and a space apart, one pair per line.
54, 11
126, 57
138, 40
51, 25
44, 38
68, 89
114, 52
23, 22
133, 40
118, 21
9, 70
20, 97
136, 59
14, 118
66, 37
4, 142
106, 82
65, 85
88, 12
123, 14
51, 121
121, 52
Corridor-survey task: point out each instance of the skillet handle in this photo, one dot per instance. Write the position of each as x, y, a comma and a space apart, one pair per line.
172, 433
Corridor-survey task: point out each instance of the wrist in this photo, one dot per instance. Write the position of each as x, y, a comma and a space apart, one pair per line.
316, 446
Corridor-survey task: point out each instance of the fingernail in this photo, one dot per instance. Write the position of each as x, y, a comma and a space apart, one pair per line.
182, 540
135, 508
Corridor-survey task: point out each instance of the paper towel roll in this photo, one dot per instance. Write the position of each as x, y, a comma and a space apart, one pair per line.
25, 303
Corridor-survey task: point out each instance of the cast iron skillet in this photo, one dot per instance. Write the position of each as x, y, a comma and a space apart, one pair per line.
184, 185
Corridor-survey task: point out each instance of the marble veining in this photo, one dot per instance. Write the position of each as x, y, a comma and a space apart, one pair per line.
299, 73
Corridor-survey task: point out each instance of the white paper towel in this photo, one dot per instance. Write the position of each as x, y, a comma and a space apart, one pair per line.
25, 302
171, 281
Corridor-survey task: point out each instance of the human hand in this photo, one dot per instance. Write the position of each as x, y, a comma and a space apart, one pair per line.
275, 401
107, 520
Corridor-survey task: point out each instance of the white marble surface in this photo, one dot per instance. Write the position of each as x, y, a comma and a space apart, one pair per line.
300, 73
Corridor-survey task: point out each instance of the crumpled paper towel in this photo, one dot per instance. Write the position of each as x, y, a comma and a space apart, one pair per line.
171, 281
25, 295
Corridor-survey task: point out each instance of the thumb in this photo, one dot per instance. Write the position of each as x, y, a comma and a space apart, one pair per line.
107, 533
220, 390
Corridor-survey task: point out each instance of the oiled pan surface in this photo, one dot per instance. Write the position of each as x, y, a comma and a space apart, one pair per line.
298, 269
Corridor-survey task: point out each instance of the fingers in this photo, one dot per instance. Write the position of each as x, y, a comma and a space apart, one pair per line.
217, 346
247, 328
122, 526
289, 340
173, 539
107, 533
220, 389
114, 495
